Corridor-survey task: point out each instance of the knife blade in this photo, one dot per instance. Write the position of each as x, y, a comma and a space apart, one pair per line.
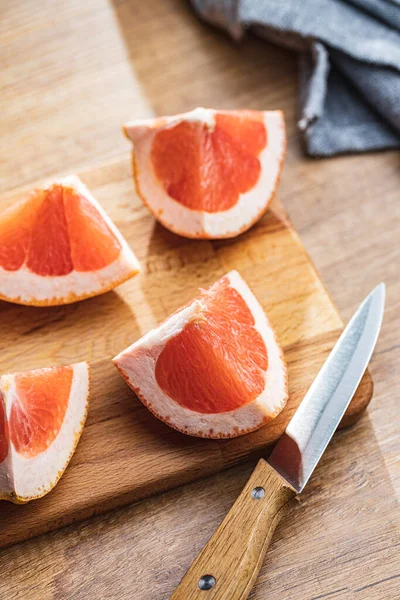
298, 451
228, 565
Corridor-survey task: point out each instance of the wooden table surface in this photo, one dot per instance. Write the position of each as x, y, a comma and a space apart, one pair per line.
71, 73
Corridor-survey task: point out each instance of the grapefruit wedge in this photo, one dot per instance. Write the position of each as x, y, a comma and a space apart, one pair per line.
214, 368
42, 414
207, 173
58, 246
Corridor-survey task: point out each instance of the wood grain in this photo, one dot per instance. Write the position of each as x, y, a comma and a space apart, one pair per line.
121, 436
72, 72
235, 553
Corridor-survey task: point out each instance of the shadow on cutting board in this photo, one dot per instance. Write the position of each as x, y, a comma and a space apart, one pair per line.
44, 336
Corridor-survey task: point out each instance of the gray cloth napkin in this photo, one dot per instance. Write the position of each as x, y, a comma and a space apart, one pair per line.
349, 64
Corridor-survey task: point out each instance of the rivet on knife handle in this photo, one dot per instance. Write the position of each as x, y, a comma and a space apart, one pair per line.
228, 565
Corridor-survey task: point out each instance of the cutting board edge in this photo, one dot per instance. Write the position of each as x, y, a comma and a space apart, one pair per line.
161, 486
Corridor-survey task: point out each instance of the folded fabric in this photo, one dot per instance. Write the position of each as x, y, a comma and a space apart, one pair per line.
349, 64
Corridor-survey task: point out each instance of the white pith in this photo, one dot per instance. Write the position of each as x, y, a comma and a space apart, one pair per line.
194, 223
138, 368
27, 478
25, 287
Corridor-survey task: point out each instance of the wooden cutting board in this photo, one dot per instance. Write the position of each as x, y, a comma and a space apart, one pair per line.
125, 453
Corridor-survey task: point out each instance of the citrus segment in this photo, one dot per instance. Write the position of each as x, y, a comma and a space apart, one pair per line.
207, 169
42, 414
246, 129
221, 336
207, 173
213, 368
3, 432
93, 244
59, 246
15, 227
49, 251
39, 408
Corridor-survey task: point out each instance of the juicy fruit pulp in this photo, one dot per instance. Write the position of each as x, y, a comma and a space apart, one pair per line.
56, 231
213, 368
39, 408
223, 356
58, 246
207, 169
208, 174
42, 414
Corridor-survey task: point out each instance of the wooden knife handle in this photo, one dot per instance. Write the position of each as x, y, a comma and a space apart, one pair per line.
228, 565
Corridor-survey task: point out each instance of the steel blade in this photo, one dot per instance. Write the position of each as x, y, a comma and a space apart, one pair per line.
301, 446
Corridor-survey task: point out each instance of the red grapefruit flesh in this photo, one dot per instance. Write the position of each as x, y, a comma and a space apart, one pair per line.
46, 411
39, 408
82, 216
208, 170
242, 357
214, 368
207, 173
15, 226
59, 246
49, 251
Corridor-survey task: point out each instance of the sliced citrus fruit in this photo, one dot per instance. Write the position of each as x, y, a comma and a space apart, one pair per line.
42, 414
212, 369
207, 173
58, 246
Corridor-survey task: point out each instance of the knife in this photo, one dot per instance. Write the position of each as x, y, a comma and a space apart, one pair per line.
228, 565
